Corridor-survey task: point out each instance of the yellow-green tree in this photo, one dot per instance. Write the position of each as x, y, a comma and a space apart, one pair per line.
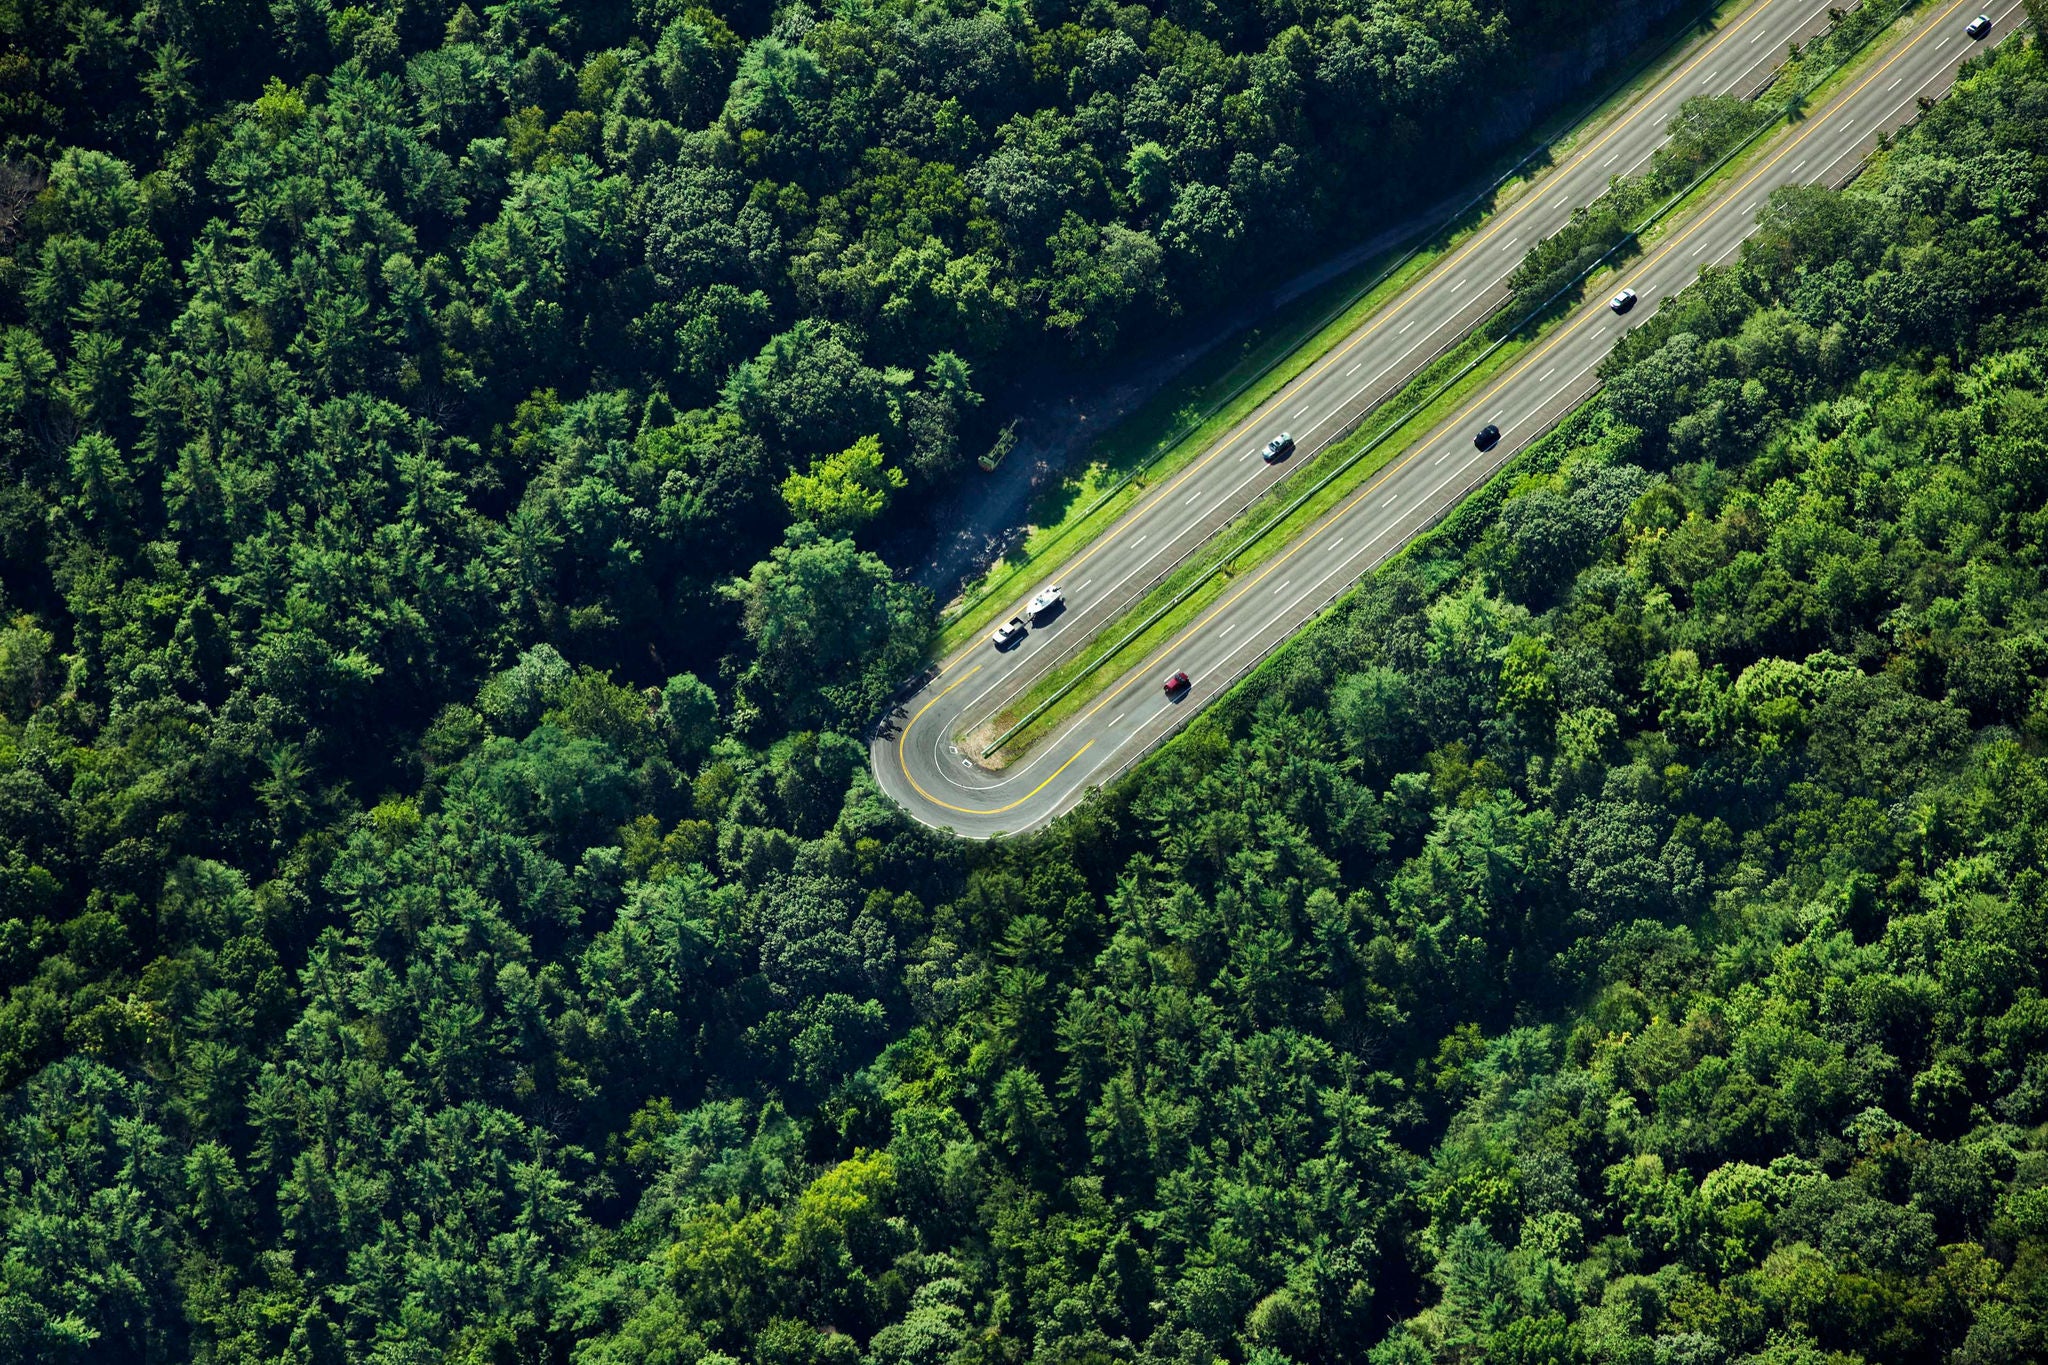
845, 491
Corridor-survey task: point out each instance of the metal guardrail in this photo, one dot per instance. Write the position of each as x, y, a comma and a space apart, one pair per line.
1418, 240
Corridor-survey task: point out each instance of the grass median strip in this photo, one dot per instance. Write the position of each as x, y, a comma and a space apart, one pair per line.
1234, 383
1132, 460
1425, 401
1171, 605
1808, 80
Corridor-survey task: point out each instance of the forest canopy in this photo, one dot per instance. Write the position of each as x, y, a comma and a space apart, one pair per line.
444, 911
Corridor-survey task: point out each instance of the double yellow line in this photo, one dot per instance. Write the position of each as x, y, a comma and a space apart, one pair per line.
1484, 237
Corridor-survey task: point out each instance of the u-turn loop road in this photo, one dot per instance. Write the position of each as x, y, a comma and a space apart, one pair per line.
918, 756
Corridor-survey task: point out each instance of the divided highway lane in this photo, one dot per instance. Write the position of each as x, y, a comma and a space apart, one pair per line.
918, 766
1389, 349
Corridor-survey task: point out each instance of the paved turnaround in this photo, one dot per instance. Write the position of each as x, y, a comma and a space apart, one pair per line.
924, 766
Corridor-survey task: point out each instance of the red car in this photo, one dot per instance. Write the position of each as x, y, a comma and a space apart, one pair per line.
1176, 684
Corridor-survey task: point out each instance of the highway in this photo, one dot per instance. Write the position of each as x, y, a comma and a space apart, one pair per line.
1175, 519
925, 767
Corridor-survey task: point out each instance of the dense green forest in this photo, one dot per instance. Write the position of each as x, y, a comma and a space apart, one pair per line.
444, 914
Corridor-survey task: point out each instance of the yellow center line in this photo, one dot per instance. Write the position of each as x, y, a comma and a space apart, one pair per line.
1408, 296
903, 746
1806, 130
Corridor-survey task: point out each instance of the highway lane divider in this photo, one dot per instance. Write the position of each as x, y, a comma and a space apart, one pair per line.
1420, 242
1530, 317
1436, 528
1190, 578
1063, 655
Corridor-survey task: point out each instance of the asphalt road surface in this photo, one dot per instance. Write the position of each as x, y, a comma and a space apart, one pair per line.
919, 759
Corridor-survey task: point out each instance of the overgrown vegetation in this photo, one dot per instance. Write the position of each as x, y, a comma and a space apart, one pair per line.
1708, 128
1615, 936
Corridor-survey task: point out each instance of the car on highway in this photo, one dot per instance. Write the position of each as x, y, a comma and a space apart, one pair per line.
1008, 633
1051, 596
1978, 26
1623, 301
1277, 447
1488, 437
1176, 684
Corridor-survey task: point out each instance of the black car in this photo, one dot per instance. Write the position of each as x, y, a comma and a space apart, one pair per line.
1978, 26
1488, 437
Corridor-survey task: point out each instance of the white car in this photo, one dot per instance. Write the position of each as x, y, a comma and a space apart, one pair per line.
1047, 599
1623, 301
1008, 633
1978, 26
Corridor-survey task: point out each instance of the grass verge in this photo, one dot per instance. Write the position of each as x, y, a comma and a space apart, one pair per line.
1112, 640
1116, 638
1235, 380
1067, 518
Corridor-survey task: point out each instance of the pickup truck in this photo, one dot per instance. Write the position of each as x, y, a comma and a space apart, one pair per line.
1008, 633
1048, 598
